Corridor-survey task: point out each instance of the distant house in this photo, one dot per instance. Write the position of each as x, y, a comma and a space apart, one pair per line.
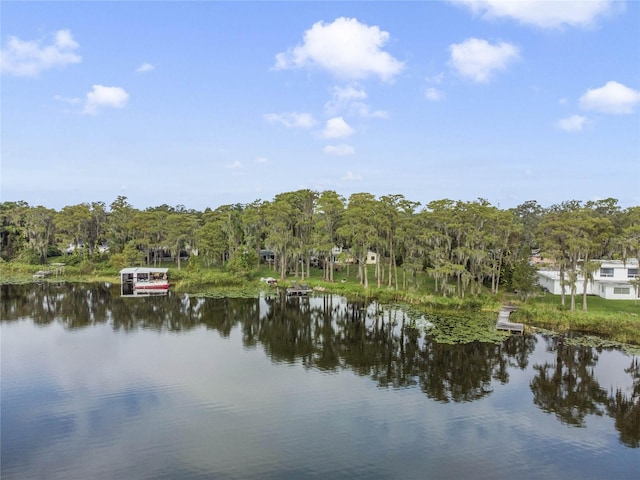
537, 259
611, 281
372, 258
267, 256
341, 255
72, 247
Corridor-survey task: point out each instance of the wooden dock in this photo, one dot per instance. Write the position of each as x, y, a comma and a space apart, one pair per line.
298, 290
503, 322
42, 273
58, 269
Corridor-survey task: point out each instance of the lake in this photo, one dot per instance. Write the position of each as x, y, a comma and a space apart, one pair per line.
97, 386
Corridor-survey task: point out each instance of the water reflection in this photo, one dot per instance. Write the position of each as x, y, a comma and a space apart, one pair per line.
567, 387
625, 409
329, 334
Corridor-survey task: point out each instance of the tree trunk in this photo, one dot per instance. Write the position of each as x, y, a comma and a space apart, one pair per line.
365, 276
395, 274
562, 285
391, 264
283, 266
498, 275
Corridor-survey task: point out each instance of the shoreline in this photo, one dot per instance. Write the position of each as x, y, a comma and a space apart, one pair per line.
610, 326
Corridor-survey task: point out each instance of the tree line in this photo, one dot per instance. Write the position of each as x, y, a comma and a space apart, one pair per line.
464, 246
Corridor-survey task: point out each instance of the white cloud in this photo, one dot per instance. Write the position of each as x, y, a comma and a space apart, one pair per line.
364, 110
145, 67
348, 93
351, 177
235, 165
613, 98
545, 14
29, 58
71, 101
262, 160
574, 123
105, 97
339, 150
350, 99
336, 128
433, 94
477, 59
343, 97
291, 120
345, 48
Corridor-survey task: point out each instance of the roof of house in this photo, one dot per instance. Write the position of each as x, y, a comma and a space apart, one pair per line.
143, 270
630, 262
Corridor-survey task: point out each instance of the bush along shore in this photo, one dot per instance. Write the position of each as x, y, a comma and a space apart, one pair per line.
608, 320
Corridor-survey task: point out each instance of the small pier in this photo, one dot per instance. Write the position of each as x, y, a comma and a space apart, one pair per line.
298, 290
503, 322
58, 269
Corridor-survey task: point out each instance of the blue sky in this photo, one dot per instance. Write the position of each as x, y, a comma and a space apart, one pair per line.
209, 103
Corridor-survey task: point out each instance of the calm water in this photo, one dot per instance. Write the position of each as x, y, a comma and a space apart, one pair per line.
95, 386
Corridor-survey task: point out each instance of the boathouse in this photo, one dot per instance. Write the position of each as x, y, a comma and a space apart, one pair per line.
142, 274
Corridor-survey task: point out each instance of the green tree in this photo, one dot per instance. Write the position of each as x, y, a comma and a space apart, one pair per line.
152, 227
281, 220
120, 224
74, 224
412, 236
439, 242
330, 210
629, 240
524, 279
504, 244
212, 241
553, 238
305, 205
12, 228
130, 256
182, 226
595, 231
359, 230
529, 215
40, 229
253, 225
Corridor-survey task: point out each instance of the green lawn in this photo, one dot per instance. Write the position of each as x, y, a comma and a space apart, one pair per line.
595, 304
615, 320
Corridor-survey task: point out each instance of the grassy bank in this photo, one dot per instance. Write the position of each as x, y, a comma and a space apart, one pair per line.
616, 320
613, 320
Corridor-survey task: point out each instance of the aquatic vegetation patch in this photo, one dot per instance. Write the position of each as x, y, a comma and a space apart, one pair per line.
217, 292
593, 341
601, 344
452, 328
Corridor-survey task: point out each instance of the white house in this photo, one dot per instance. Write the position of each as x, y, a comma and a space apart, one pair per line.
611, 281
371, 259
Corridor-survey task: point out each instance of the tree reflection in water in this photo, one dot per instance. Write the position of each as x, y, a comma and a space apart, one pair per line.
331, 334
568, 387
626, 409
